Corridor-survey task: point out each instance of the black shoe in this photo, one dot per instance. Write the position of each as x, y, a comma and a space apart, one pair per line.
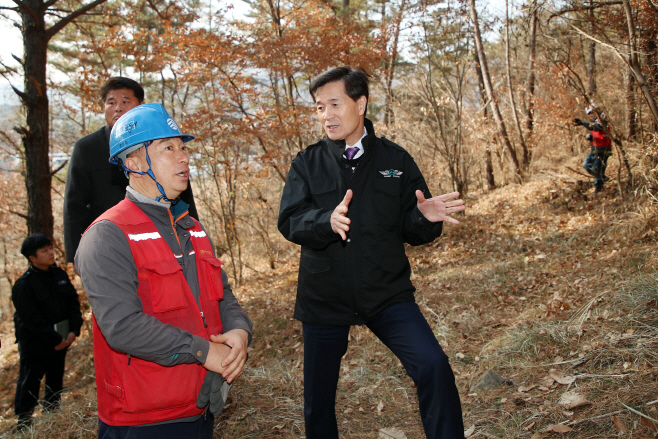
23, 424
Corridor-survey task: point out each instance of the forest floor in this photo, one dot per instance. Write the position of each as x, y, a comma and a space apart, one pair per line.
547, 284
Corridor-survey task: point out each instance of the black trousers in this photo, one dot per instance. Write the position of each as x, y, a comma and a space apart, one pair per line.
202, 428
33, 367
404, 330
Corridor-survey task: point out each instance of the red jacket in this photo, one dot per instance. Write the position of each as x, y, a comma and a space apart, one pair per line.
600, 140
132, 391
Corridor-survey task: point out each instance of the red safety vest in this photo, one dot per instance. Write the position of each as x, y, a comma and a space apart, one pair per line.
599, 139
132, 391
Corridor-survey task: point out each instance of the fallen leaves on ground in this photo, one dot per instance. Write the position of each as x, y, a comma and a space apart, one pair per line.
561, 378
559, 428
392, 433
572, 400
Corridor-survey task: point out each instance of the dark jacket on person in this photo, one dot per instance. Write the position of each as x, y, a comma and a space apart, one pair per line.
43, 298
350, 282
93, 185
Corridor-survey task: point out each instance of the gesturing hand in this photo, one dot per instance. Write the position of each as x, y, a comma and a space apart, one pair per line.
339, 220
438, 208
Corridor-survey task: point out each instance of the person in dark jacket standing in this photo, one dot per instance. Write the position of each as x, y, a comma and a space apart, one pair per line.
47, 322
351, 201
93, 184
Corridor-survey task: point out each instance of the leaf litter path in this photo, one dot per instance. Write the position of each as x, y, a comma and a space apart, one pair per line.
553, 288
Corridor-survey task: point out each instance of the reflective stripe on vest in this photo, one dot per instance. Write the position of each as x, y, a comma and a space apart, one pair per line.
132, 391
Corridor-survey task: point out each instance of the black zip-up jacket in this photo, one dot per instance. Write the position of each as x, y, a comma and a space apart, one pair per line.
43, 298
350, 282
93, 185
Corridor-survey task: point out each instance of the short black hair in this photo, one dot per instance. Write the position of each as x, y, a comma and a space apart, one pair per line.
121, 83
355, 81
33, 243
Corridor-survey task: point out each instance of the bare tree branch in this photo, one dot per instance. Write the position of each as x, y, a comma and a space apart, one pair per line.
20, 94
593, 6
49, 3
72, 16
21, 5
59, 168
22, 215
155, 9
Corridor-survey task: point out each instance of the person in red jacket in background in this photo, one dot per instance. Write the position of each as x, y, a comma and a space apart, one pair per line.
169, 335
597, 159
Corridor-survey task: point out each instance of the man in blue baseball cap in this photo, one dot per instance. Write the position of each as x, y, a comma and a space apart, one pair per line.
169, 335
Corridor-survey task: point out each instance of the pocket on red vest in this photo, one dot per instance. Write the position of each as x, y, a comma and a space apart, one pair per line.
167, 277
148, 386
211, 268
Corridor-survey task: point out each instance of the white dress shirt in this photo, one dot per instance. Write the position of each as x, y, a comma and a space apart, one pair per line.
358, 145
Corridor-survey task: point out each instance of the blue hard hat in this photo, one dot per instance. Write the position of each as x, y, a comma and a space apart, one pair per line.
144, 123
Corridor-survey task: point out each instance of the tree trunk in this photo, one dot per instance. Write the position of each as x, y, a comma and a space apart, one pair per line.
631, 104
530, 82
650, 50
35, 135
389, 117
502, 131
634, 63
591, 66
491, 182
508, 69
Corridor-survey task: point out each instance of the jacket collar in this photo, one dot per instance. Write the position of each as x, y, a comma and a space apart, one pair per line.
107, 132
337, 147
157, 211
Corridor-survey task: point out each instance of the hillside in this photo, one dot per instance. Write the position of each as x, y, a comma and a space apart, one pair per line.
546, 284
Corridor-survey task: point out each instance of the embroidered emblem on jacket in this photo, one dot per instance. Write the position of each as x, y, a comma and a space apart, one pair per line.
391, 173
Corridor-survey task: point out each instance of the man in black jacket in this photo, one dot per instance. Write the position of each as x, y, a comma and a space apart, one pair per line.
93, 184
351, 201
47, 321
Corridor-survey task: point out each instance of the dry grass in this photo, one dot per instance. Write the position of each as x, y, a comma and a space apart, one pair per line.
537, 277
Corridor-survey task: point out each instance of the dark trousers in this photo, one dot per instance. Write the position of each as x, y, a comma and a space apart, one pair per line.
32, 368
596, 163
404, 330
202, 428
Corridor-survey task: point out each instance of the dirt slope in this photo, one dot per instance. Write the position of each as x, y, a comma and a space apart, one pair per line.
548, 285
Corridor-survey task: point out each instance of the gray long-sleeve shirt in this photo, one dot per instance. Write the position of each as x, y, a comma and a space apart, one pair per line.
109, 275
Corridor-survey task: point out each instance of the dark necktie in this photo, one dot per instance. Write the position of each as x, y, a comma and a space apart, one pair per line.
351, 152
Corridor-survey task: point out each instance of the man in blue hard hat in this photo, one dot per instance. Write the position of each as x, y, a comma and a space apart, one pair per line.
93, 184
169, 335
